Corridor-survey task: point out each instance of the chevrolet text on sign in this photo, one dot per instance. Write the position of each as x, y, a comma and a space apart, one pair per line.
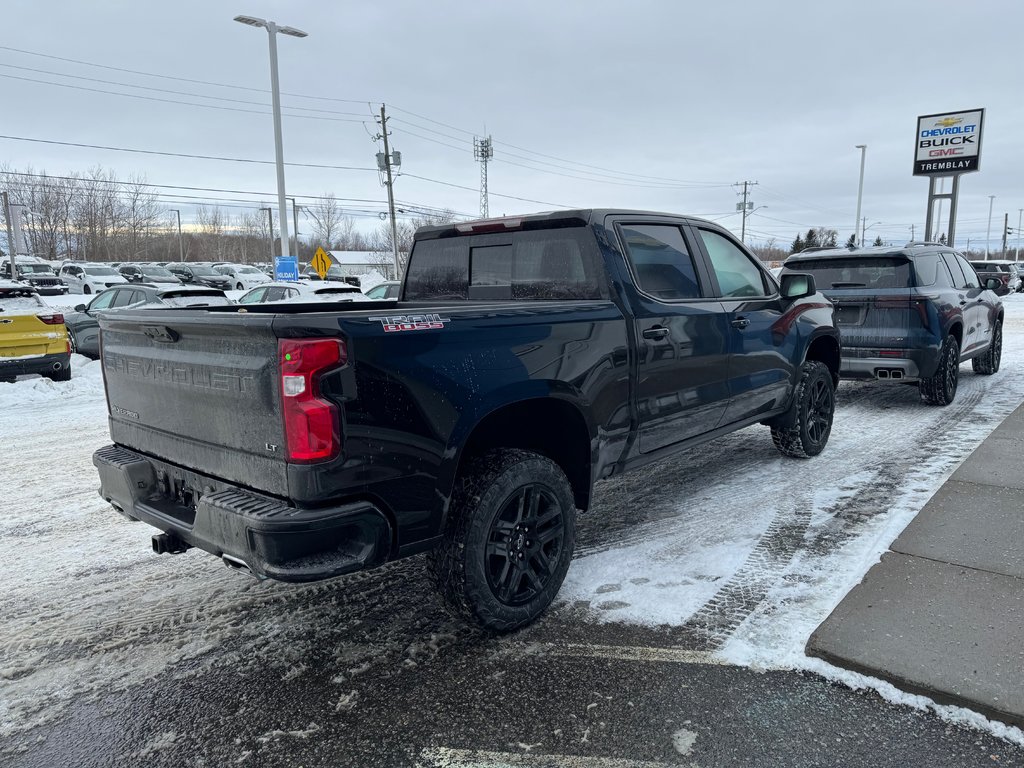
948, 143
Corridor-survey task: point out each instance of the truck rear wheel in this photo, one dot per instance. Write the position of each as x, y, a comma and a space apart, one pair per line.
815, 403
509, 539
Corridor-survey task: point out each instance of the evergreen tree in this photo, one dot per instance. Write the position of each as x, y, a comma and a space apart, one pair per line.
798, 244
878, 240
811, 239
942, 239
851, 241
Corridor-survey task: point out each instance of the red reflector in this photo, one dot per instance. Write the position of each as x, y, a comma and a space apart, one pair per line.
311, 423
891, 353
55, 319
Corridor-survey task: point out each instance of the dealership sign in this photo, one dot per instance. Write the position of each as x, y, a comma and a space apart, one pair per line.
948, 143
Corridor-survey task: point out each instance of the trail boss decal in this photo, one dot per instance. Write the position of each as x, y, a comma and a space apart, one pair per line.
393, 323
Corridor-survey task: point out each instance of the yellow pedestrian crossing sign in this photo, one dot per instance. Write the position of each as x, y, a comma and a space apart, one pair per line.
321, 263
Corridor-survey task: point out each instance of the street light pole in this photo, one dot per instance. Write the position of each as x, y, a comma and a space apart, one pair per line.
269, 218
988, 233
860, 190
181, 249
272, 30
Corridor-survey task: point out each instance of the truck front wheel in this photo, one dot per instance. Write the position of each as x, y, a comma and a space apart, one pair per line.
509, 539
815, 405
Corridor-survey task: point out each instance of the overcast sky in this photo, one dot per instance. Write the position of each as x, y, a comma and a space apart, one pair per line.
655, 105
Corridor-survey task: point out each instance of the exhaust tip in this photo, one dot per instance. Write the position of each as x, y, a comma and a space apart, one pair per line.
237, 564
57, 366
882, 373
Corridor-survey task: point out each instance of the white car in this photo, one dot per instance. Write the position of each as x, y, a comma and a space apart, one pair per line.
90, 278
243, 276
276, 291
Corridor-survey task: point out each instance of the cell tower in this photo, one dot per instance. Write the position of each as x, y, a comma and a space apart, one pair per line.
483, 151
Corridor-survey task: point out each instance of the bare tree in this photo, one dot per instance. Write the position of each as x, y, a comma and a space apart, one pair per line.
383, 258
328, 220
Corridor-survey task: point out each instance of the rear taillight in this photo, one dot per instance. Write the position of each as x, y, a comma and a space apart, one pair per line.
1005, 278
54, 319
311, 423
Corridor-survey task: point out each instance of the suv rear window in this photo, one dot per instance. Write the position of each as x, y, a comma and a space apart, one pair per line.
856, 273
556, 264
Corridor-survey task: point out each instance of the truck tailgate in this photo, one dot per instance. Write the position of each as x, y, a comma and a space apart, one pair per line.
198, 389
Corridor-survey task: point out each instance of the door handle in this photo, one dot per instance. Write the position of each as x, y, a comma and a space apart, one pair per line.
655, 332
740, 322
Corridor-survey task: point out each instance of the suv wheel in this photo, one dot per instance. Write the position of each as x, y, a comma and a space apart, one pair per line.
509, 539
815, 403
988, 363
940, 389
239, 287
86, 288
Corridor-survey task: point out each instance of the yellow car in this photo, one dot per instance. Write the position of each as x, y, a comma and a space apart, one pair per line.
33, 338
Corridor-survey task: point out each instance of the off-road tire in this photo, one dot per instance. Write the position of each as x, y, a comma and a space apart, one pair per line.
815, 403
988, 363
239, 287
940, 388
463, 566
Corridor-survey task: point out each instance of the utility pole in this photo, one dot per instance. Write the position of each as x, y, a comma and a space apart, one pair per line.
12, 249
1006, 231
384, 163
744, 207
911, 233
181, 249
483, 151
860, 187
295, 227
863, 229
1020, 214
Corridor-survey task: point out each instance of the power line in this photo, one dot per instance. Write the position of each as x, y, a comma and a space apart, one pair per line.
179, 79
184, 154
175, 101
168, 90
495, 195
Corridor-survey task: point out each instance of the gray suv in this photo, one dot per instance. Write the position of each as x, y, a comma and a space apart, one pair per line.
912, 313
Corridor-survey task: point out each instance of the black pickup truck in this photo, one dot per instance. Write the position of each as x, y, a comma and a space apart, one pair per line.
527, 358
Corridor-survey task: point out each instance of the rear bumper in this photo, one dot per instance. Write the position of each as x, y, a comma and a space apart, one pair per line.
914, 365
45, 364
269, 537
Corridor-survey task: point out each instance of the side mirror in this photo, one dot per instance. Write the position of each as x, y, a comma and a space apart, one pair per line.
796, 286
993, 284
80, 308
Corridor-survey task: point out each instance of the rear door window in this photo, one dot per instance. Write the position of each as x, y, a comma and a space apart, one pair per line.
874, 273
969, 274
662, 263
931, 270
959, 280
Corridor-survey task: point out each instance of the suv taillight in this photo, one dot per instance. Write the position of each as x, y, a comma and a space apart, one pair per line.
311, 423
55, 319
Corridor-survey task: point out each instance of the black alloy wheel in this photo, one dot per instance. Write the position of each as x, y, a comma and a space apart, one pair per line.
524, 540
940, 389
820, 410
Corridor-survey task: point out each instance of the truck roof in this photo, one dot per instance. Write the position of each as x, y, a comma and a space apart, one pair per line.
573, 217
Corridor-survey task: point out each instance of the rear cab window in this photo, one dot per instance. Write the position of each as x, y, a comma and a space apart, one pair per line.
662, 264
535, 265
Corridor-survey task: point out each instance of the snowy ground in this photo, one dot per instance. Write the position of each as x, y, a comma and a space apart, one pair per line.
730, 552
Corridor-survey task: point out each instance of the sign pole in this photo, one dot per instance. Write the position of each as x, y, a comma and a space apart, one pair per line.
954, 196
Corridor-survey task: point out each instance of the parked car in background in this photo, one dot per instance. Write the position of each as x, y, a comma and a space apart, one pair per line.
90, 278
1003, 271
37, 273
286, 291
243, 276
389, 289
83, 323
149, 273
200, 274
909, 314
33, 338
335, 274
